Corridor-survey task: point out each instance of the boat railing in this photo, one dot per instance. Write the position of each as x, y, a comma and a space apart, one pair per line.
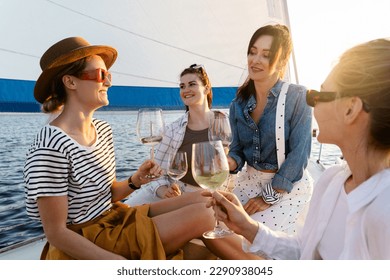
22, 243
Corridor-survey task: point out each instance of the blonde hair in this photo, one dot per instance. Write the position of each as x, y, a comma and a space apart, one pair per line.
364, 71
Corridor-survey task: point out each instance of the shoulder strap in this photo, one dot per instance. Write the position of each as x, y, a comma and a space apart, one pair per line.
279, 125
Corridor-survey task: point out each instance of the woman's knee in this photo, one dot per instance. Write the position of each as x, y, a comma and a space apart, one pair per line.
201, 214
194, 197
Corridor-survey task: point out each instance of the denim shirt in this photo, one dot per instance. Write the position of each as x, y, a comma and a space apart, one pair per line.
255, 144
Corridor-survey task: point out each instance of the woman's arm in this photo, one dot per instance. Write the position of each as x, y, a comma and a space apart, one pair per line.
235, 156
53, 212
299, 144
121, 189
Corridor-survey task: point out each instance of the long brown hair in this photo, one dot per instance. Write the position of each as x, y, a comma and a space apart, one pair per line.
57, 96
279, 53
202, 75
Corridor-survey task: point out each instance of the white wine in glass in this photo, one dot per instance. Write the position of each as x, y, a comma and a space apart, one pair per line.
210, 169
150, 127
177, 165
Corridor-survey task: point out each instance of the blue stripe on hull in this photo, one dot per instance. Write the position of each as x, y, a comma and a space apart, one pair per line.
17, 96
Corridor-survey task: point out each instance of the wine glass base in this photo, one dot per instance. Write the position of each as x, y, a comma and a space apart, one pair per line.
217, 233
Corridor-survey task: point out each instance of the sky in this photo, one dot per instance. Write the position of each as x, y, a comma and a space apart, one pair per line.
323, 30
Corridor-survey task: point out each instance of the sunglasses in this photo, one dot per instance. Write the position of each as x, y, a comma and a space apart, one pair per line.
313, 97
199, 67
99, 75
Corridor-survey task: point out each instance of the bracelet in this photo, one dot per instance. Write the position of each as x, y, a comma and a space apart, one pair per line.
131, 184
270, 196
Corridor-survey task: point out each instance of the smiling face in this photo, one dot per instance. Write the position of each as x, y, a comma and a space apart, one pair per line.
91, 93
192, 90
259, 67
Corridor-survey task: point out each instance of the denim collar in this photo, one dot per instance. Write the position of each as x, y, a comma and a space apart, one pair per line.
275, 90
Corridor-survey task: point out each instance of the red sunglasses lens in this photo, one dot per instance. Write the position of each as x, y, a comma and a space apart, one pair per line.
103, 75
98, 75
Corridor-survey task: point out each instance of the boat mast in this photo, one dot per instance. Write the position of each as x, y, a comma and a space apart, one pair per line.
287, 20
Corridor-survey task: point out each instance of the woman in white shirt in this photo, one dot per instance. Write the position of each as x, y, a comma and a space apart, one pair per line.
192, 127
350, 201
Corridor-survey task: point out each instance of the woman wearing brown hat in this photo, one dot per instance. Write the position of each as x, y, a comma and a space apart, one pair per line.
70, 171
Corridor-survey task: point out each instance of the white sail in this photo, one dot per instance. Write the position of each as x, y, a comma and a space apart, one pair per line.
155, 39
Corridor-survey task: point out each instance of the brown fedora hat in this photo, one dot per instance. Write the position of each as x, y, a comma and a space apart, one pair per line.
63, 53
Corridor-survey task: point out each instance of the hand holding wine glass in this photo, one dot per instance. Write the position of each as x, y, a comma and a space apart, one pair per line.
210, 169
177, 166
150, 126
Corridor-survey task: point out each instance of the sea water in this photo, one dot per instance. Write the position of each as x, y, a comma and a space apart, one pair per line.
17, 133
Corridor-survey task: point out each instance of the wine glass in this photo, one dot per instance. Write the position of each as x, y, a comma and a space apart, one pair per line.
177, 165
210, 169
219, 129
150, 127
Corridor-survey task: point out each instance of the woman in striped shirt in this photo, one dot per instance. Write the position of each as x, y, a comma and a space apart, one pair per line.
70, 176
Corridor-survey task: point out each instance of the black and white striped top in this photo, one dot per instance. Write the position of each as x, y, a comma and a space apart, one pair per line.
56, 165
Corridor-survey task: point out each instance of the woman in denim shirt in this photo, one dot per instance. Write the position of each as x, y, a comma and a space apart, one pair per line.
349, 213
272, 192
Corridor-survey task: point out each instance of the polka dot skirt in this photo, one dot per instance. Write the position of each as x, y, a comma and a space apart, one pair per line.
284, 215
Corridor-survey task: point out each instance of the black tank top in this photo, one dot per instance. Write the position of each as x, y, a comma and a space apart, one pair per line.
190, 137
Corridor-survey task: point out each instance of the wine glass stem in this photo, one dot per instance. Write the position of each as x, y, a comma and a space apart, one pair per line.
228, 187
152, 153
217, 227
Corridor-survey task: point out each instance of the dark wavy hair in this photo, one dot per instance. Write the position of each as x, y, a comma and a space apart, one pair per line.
280, 52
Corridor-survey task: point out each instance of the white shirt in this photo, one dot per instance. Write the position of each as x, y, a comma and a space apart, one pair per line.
172, 140
170, 144
367, 229
332, 242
